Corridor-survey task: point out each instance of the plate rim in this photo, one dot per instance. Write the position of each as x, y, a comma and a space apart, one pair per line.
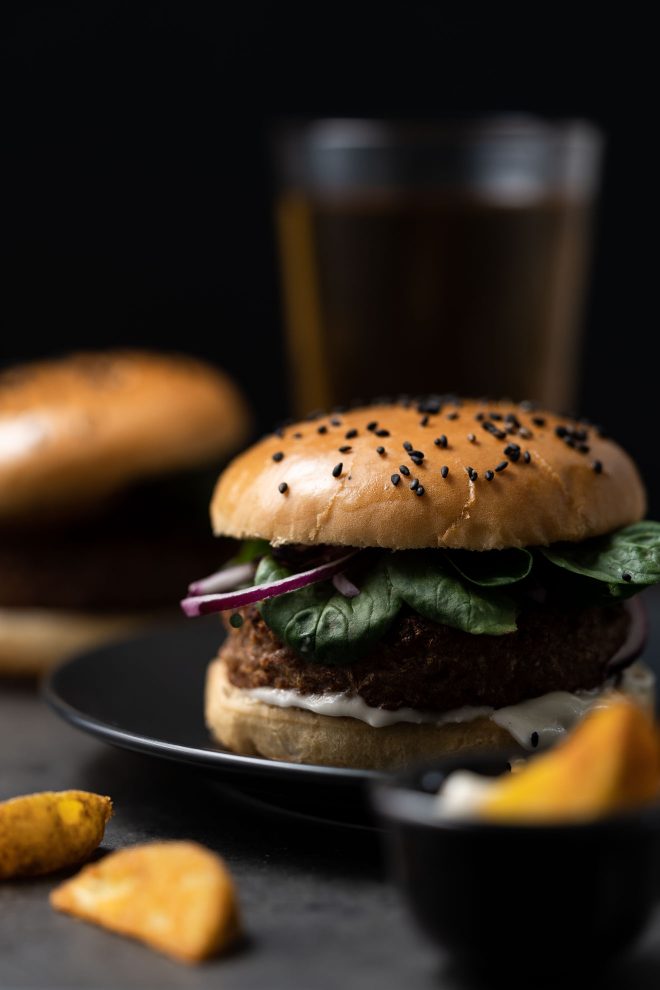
136, 742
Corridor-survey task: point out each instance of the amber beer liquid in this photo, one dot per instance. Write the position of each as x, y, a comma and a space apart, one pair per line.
469, 290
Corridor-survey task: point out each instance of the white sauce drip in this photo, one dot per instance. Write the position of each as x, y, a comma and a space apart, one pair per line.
550, 715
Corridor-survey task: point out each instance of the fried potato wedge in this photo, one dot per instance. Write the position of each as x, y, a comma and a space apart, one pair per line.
177, 897
609, 763
42, 833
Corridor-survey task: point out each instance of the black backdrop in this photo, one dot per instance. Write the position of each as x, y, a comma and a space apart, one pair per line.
135, 190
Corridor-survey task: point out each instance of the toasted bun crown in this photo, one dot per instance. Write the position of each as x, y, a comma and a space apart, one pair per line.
562, 480
74, 429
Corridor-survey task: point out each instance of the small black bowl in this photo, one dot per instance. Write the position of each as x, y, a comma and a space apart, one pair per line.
489, 892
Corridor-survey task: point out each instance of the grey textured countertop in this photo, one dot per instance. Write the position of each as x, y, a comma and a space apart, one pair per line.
318, 908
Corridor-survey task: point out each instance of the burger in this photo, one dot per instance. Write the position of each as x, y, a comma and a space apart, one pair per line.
101, 458
419, 577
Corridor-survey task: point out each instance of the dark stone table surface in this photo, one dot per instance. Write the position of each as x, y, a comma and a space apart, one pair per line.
319, 909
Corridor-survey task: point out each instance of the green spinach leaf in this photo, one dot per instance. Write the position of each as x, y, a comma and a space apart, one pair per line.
323, 625
492, 568
249, 550
430, 586
623, 559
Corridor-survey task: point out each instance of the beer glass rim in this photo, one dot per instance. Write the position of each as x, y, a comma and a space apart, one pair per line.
509, 154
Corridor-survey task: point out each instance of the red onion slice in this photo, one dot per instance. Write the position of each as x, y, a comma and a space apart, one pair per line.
344, 586
636, 639
203, 604
223, 580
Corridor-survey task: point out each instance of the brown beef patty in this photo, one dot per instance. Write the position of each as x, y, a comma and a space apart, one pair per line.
423, 665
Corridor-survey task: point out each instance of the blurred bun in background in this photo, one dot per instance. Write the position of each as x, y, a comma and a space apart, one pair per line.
107, 461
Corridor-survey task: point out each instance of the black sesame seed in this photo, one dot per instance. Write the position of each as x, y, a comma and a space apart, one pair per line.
527, 457
584, 448
514, 455
538, 420
598, 467
511, 448
424, 421
282, 487
452, 415
561, 431
495, 415
627, 576
404, 470
489, 475
569, 441
471, 437
350, 434
580, 435
440, 441
321, 429
236, 620
417, 453
416, 459
395, 479
495, 430
407, 445
337, 470
513, 419
335, 422
419, 490
444, 470
382, 433
372, 426
414, 484
502, 465
297, 436
534, 739
480, 417
346, 449
524, 433
380, 450
279, 456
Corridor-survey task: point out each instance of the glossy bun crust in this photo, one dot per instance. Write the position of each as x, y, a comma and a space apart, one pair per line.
562, 480
75, 429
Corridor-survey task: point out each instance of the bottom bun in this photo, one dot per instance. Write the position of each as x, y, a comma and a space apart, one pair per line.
33, 640
253, 728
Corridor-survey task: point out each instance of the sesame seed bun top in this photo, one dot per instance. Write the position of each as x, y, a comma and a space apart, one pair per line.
79, 428
465, 474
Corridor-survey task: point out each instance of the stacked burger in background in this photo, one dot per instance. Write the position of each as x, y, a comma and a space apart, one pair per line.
106, 461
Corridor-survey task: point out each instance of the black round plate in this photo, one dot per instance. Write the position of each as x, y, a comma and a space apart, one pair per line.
146, 694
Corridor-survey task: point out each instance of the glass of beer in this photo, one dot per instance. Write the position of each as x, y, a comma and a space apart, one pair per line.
434, 257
